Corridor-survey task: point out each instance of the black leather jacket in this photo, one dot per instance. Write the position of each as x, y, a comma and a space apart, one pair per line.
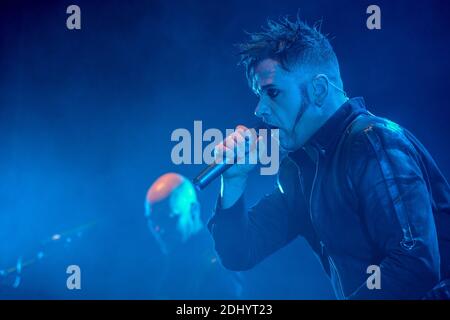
362, 192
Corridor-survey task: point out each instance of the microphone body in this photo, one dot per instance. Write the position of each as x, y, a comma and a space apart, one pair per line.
209, 174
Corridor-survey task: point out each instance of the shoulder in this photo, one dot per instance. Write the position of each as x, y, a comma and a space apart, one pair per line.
371, 133
375, 142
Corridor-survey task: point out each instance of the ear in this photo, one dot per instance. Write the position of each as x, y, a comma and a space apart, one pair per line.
320, 89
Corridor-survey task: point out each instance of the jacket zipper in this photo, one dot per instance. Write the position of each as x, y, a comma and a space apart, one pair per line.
322, 245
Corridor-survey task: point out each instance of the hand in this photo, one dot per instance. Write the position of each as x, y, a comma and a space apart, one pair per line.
241, 149
232, 150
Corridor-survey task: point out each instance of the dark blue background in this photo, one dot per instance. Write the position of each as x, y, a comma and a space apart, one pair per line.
86, 118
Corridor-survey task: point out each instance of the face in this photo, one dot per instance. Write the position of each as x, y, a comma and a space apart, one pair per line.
163, 224
172, 220
282, 96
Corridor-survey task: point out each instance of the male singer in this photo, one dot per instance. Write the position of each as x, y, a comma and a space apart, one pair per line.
360, 189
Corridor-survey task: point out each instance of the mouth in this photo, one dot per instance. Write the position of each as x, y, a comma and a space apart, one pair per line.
270, 126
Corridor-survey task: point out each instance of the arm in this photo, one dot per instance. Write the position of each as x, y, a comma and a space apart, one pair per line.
395, 204
244, 238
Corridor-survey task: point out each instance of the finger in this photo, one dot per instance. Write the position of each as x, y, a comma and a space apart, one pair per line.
261, 143
239, 142
221, 152
234, 141
241, 128
249, 135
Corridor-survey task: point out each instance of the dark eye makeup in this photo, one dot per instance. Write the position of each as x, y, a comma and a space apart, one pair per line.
273, 93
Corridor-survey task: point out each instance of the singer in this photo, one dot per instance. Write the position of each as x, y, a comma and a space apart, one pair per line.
359, 188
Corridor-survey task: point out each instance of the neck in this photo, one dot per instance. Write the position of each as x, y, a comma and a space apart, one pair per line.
315, 119
330, 108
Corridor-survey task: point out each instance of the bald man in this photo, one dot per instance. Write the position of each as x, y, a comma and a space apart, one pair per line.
190, 269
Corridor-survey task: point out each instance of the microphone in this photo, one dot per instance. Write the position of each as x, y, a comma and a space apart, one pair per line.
214, 170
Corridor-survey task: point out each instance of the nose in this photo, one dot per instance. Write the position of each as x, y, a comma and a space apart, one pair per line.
261, 111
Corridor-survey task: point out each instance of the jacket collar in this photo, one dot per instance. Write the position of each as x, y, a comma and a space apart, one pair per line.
326, 138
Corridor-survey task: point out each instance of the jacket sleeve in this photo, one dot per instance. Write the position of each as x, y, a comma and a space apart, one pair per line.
243, 238
396, 207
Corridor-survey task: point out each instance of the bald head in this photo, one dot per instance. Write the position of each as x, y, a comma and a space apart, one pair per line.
163, 187
172, 209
